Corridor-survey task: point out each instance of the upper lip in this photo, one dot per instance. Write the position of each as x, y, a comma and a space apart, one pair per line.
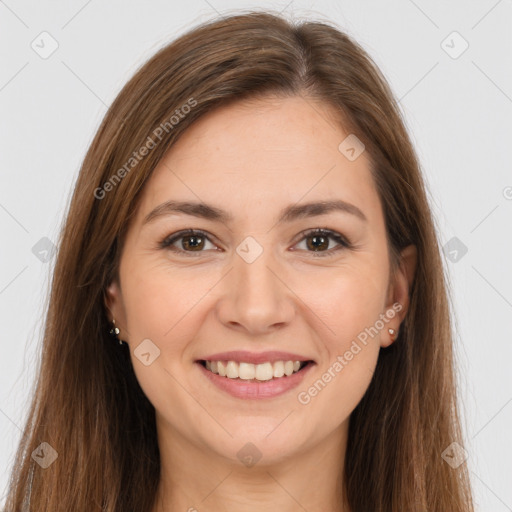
255, 357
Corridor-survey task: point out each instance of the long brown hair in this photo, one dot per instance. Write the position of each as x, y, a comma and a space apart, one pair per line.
88, 405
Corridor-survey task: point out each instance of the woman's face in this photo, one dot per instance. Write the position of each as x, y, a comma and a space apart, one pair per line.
255, 283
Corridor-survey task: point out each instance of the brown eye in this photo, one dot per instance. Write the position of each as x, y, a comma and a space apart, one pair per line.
191, 241
194, 242
318, 240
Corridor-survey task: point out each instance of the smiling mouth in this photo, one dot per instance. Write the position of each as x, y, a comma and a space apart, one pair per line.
248, 372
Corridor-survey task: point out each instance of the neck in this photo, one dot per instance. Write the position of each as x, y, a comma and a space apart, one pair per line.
194, 478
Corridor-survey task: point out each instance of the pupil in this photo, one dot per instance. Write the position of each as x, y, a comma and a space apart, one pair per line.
318, 241
192, 245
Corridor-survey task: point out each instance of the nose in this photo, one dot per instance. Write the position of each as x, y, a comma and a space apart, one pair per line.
255, 296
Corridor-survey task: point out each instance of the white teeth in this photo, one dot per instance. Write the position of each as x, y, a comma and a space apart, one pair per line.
278, 369
246, 371
249, 371
288, 367
232, 370
264, 371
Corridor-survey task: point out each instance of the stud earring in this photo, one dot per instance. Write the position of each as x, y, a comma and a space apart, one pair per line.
393, 334
114, 331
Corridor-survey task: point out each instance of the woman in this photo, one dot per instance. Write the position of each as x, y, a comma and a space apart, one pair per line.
251, 223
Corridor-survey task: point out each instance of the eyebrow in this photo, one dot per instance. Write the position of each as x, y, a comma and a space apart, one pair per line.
287, 214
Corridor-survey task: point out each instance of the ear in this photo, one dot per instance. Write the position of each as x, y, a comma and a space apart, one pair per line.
398, 293
113, 300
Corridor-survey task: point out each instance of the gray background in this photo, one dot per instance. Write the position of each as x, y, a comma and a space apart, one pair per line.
458, 109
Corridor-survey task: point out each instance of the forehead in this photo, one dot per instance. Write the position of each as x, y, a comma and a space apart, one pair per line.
263, 128
271, 151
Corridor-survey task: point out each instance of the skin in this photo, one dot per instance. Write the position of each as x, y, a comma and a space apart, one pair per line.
253, 159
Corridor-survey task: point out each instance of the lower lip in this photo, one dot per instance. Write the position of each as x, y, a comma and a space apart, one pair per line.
255, 390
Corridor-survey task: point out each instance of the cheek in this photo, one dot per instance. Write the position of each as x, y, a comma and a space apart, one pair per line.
160, 308
350, 304
337, 388
157, 301
346, 300
350, 350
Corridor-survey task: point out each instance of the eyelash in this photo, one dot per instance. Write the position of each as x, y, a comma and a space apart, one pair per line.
167, 242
